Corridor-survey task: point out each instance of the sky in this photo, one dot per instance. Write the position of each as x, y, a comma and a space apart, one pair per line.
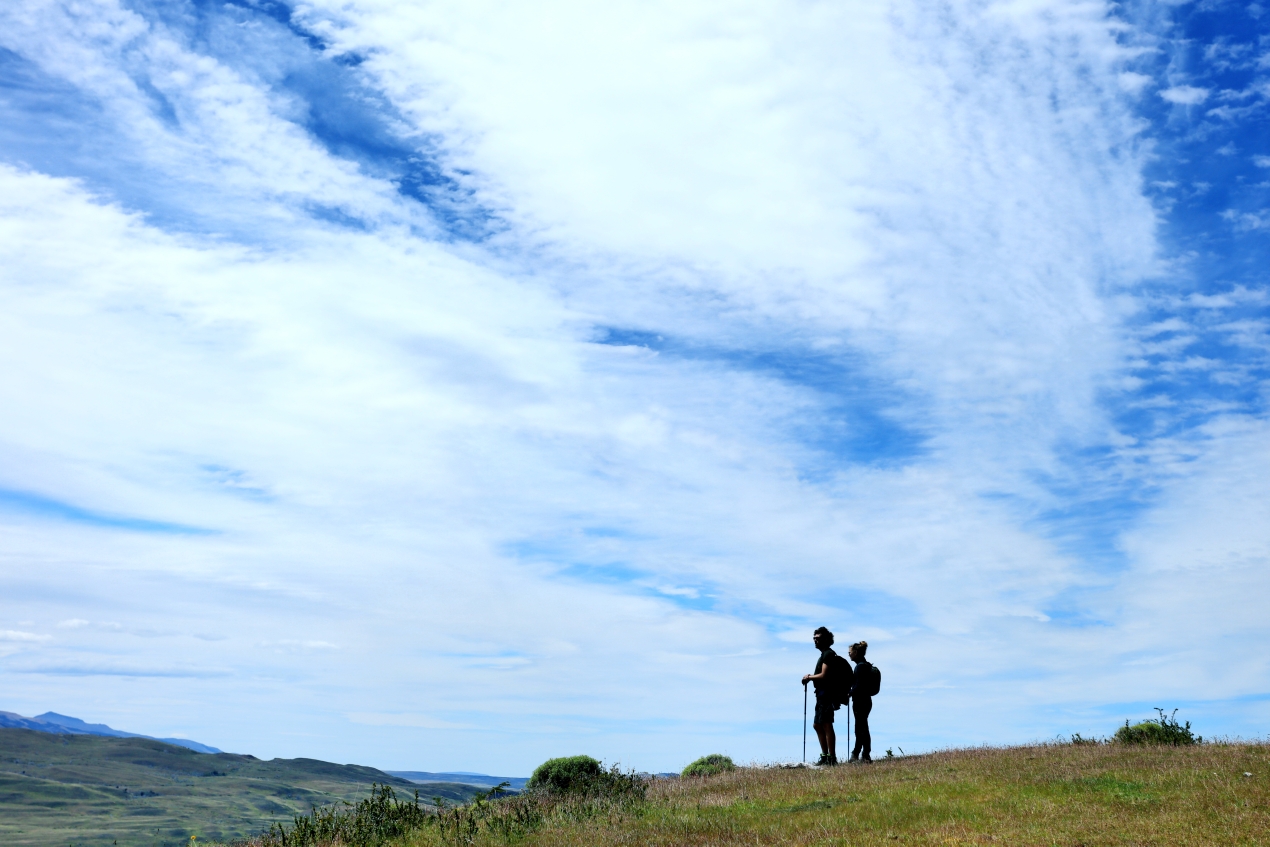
453, 385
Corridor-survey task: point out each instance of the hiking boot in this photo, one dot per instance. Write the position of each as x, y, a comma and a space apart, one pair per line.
823, 760
833, 760
855, 758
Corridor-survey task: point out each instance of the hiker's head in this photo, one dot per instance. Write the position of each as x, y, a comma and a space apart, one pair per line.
822, 637
856, 651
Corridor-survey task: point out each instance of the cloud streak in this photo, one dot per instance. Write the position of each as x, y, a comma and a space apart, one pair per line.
566, 367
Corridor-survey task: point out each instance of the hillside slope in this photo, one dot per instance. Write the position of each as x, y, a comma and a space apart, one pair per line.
57, 790
1058, 794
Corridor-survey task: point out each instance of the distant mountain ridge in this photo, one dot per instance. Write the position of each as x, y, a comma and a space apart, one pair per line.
517, 783
56, 724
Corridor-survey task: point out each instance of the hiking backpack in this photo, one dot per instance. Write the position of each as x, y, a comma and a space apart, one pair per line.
840, 679
873, 684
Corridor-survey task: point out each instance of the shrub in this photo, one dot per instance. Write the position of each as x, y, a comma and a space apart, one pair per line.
566, 774
710, 765
608, 794
570, 789
1162, 730
370, 823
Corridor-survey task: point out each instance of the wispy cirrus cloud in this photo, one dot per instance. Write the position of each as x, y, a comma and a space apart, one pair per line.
117, 670
557, 365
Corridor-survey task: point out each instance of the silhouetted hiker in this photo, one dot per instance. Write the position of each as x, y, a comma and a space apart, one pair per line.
829, 682
861, 701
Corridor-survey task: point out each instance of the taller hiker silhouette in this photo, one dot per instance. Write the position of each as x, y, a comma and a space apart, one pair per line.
832, 680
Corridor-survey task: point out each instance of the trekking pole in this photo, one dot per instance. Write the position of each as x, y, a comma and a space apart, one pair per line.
804, 723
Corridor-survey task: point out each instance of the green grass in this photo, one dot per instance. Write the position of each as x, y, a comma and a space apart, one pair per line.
59, 790
1069, 795
1059, 794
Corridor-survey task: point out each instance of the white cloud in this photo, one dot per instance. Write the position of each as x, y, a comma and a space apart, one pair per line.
1185, 95
1132, 82
411, 448
1246, 221
1209, 534
20, 636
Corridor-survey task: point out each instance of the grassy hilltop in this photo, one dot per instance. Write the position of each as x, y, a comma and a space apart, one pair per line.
83, 790
1107, 794
59, 790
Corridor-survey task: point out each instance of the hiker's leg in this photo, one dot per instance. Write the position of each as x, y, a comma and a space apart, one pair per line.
824, 726
863, 740
831, 742
820, 735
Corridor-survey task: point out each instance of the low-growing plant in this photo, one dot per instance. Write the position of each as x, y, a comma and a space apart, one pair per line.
1161, 730
715, 763
1080, 740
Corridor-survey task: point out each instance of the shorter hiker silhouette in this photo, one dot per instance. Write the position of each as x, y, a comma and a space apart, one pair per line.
866, 680
832, 681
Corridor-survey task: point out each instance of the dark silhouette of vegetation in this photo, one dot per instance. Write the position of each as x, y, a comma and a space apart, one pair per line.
1162, 730
715, 763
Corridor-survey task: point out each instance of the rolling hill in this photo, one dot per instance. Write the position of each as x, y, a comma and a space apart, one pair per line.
60, 789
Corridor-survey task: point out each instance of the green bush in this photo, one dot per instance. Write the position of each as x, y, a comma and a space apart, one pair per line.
1162, 730
710, 765
567, 774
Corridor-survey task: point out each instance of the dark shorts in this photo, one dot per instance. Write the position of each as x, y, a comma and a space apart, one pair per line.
824, 710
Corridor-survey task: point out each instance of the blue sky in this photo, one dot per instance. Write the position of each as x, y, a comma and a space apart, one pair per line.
454, 385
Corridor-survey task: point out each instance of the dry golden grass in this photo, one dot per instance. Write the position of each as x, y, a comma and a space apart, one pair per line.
1067, 795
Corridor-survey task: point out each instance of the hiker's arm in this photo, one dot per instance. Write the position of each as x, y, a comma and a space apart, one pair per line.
824, 669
